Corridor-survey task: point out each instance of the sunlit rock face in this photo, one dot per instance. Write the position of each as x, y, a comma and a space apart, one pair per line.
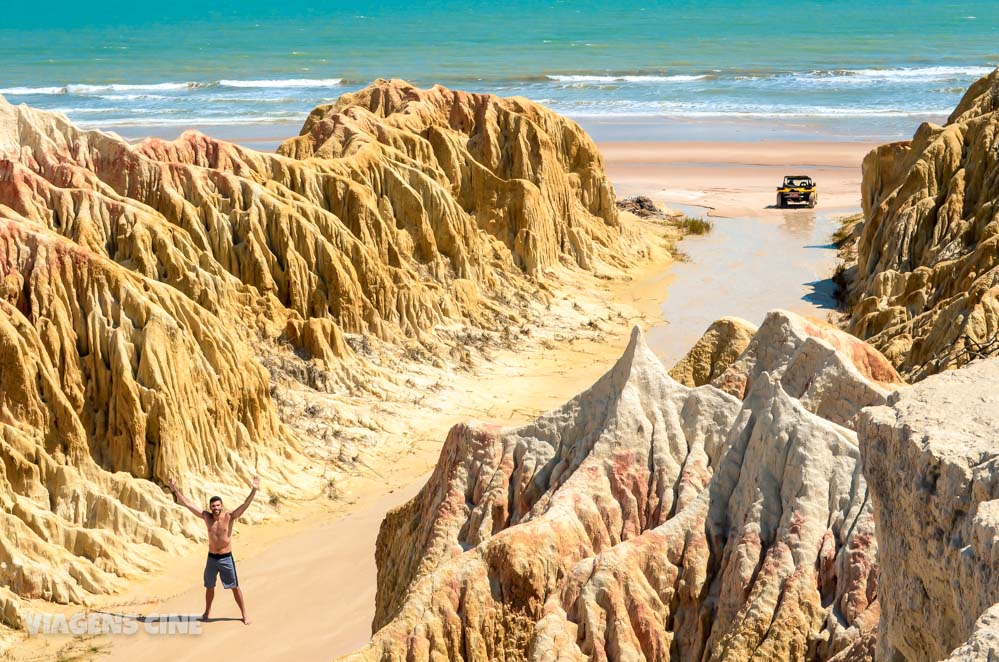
931, 458
924, 288
832, 373
722, 343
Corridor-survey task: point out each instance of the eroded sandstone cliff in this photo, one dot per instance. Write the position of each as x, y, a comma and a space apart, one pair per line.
482, 151
155, 299
648, 520
924, 285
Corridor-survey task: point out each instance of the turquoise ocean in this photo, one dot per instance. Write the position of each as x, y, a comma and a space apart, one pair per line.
846, 69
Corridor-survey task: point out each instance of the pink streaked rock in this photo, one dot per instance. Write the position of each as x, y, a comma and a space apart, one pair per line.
642, 520
832, 373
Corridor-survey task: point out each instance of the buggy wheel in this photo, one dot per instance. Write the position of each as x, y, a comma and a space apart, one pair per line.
780, 201
813, 200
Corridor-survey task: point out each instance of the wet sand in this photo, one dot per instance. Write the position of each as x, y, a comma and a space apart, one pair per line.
736, 179
757, 257
757, 264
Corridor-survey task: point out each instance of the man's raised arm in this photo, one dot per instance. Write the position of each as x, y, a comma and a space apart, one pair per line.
182, 500
254, 484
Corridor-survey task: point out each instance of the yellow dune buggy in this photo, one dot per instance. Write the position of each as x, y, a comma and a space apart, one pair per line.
797, 189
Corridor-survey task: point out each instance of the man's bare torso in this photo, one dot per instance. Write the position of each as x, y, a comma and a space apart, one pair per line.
219, 532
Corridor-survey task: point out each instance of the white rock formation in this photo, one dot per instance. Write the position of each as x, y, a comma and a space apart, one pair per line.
642, 520
832, 373
931, 458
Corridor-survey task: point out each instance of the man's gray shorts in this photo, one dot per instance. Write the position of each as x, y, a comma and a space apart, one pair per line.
224, 566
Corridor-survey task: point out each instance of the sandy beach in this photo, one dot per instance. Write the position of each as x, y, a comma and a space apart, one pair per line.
735, 178
311, 574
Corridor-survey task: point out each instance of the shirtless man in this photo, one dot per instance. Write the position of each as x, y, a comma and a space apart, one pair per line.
220, 561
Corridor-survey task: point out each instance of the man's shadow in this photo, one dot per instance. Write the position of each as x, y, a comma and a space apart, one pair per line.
161, 618
218, 620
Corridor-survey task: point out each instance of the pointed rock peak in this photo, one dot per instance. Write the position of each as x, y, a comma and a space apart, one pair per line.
637, 367
766, 392
637, 361
637, 489
980, 99
637, 348
766, 385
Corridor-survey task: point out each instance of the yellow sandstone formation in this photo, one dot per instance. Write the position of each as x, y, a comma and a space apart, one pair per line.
924, 287
714, 352
143, 289
482, 153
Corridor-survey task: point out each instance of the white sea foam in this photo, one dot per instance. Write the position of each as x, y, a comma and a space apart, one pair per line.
133, 97
913, 74
75, 112
581, 108
922, 72
33, 90
622, 108
191, 121
821, 77
87, 89
287, 82
679, 78
76, 88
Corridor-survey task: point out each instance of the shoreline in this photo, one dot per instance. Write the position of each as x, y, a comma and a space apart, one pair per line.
735, 179
319, 549
744, 132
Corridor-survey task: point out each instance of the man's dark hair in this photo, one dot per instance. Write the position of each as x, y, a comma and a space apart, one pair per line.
214, 499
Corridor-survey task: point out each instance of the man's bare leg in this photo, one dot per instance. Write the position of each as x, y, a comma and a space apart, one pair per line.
238, 594
209, 596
